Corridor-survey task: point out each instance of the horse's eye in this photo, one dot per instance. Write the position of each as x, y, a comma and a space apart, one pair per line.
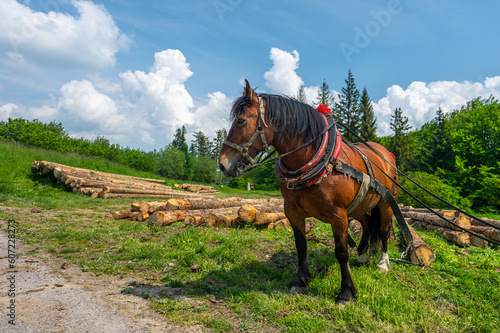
240, 121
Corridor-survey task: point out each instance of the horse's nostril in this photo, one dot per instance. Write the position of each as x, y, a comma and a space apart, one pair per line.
221, 167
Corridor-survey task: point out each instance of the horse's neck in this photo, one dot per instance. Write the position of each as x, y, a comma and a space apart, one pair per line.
297, 159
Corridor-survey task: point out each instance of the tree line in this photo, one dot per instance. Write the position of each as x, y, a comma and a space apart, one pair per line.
456, 155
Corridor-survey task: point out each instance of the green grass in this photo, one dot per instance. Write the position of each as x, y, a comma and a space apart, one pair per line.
243, 275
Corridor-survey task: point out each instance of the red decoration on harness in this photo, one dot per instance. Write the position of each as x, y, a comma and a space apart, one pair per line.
394, 157
323, 109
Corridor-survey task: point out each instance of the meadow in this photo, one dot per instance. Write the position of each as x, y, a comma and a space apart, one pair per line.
229, 279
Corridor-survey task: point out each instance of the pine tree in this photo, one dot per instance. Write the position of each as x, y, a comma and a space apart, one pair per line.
368, 129
179, 142
218, 141
324, 96
400, 144
301, 95
347, 108
201, 145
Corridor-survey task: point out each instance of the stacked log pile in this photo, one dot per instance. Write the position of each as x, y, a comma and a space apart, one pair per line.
197, 188
98, 184
429, 221
213, 212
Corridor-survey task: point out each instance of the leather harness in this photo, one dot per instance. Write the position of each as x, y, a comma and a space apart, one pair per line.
323, 163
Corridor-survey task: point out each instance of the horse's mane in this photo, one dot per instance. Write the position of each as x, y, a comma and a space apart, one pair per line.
289, 117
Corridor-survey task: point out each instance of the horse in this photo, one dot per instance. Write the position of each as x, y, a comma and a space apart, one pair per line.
297, 132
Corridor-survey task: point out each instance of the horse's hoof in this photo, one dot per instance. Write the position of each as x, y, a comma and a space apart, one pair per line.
383, 267
346, 296
298, 290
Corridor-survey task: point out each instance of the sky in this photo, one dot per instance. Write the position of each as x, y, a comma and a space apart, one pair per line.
134, 71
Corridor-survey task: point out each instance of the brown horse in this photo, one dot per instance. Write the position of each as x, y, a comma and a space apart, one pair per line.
286, 124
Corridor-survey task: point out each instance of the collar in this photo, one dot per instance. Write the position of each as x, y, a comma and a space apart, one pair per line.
316, 169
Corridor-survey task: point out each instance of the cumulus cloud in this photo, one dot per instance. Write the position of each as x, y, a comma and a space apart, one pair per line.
58, 39
282, 78
139, 109
161, 91
214, 114
420, 100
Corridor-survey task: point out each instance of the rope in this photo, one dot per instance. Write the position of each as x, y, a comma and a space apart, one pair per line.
420, 201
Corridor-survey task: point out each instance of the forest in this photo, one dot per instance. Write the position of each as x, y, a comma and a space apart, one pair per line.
456, 155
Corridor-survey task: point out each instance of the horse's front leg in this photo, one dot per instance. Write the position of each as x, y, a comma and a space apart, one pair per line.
339, 227
303, 275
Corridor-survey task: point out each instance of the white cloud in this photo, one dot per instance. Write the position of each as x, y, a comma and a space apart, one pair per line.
214, 114
58, 39
282, 78
7, 111
161, 92
82, 106
139, 109
420, 100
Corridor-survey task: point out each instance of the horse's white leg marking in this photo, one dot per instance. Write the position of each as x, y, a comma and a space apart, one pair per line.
384, 265
363, 258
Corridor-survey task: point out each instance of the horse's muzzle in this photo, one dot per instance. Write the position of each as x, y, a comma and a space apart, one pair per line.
232, 170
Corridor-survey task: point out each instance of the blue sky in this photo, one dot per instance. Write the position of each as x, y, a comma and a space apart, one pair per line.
135, 71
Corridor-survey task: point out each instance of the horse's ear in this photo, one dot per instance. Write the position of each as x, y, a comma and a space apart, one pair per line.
247, 91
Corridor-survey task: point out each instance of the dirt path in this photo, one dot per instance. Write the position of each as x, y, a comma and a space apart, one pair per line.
51, 299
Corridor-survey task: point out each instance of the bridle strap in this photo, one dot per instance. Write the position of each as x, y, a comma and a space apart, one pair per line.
259, 132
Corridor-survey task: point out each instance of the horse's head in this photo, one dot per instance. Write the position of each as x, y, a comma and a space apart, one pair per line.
249, 134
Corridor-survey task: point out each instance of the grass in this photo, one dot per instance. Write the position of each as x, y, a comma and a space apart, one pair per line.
238, 279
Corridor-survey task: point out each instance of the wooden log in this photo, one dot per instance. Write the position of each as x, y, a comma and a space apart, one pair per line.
460, 220
137, 190
122, 214
418, 251
280, 224
461, 239
49, 166
221, 220
123, 196
136, 206
490, 221
265, 218
134, 215
193, 219
310, 225
247, 213
210, 203
356, 227
164, 218
142, 217
488, 232
200, 216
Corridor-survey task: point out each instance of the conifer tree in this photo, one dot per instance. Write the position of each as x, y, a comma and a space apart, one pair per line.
400, 143
368, 129
201, 145
218, 141
301, 95
347, 108
325, 96
179, 142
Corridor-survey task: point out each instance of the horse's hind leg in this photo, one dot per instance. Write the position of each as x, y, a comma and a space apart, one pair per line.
363, 254
385, 232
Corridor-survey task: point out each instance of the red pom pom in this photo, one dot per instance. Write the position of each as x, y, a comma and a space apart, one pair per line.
323, 109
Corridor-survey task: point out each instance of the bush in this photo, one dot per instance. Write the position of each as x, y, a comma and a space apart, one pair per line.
434, 184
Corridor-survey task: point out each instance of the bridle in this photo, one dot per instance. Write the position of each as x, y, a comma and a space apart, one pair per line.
259, 132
